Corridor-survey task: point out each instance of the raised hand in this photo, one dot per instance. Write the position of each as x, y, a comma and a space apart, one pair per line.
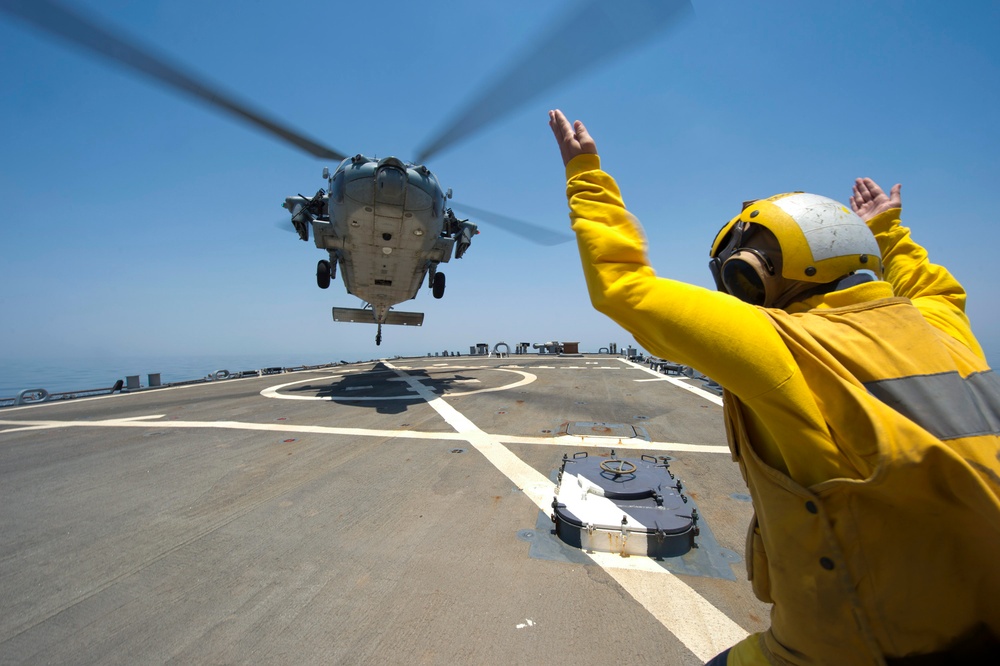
573, 139
868, 199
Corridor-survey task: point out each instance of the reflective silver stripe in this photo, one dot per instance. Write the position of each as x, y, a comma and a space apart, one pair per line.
947, 405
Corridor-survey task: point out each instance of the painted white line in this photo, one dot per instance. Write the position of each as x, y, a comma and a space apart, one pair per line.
711, 397
703, 629
611, 442
447, 366
565, 440
698, 624
527, 378
274, 391
686, 614
19, 426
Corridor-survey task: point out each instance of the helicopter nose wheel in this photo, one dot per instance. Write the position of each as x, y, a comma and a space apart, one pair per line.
378, 336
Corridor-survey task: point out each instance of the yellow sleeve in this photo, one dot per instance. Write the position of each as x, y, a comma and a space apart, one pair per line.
748, 652
932, 289
730, 341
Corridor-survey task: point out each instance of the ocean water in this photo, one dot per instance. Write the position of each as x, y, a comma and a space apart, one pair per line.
85, 373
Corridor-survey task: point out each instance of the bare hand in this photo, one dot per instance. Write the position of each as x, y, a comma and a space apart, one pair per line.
869, 200
573, 139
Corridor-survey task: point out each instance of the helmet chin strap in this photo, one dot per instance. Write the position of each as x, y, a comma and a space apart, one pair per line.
795, 291
791, 291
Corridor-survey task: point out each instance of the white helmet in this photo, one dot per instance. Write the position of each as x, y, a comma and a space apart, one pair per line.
820, 241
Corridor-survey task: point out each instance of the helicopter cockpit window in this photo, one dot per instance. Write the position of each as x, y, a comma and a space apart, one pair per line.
337, 188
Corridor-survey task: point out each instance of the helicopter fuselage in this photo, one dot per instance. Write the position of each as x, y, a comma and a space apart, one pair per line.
386, 226
383, 223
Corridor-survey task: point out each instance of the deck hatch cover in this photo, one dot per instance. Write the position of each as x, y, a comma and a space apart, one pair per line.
628, 506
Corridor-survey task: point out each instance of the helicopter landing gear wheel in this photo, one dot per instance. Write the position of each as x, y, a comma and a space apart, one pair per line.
378, 336
323, 273
438, 286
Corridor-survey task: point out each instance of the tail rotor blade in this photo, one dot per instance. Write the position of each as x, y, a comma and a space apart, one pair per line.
527, 230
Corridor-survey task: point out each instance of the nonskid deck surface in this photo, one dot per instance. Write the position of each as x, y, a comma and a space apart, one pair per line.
389, 512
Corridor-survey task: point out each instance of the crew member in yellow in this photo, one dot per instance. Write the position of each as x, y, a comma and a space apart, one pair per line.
858, 404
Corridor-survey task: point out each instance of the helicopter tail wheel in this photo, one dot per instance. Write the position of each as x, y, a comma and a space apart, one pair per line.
323, 273
378, 336
438, 286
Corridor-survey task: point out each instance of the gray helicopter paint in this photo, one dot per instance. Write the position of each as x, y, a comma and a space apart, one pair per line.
388, 216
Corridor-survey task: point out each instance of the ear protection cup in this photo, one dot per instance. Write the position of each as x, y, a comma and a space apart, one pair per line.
749, 276
744, 272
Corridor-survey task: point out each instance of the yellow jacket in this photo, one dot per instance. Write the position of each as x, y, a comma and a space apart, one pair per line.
877, 537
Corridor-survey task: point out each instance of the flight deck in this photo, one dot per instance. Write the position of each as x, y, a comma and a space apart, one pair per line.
388, 512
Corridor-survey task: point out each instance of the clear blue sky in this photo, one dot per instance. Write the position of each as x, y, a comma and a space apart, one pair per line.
136, 222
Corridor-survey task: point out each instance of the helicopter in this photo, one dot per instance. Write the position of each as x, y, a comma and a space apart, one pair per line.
386, 224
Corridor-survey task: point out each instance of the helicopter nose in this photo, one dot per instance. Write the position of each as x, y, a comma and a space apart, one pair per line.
392, 162
391, 179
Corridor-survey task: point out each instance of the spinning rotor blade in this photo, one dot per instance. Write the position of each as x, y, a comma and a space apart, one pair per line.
285, 226
572, 46
532, 232
79, 30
